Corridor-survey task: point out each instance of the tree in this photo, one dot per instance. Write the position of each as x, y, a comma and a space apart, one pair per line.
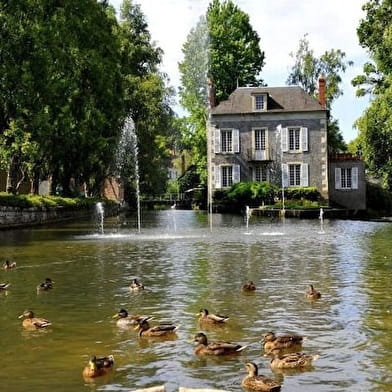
375, 125
235, 57
147, 98
223, 47
307, 70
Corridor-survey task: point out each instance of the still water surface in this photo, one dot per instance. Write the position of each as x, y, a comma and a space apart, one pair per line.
185, 266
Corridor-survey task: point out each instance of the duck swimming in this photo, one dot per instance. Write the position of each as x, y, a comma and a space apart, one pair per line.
257, 382
136, 285
292, 360
8, 265
203, 347
270, 341
124, 319
249, 286
4, 286
206, 317
98, 366
145, 329
311, 293
46, 285
32, 322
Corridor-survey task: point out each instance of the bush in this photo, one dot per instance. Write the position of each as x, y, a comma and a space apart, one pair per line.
378, 200
249, 193
28, 201
298, 193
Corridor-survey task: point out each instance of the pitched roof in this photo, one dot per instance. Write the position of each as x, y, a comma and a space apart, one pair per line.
280, 99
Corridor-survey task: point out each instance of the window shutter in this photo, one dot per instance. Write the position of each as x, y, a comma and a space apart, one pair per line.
266, 141
305, 174
283, 139
285, 175
304, 139
236, 174
354, 178
217, 172
217, 135
338, 182
236, 140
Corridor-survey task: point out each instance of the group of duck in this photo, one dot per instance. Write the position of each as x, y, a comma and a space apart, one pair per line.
284, 350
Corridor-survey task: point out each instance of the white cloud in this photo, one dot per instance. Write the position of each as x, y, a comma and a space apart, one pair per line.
280, 24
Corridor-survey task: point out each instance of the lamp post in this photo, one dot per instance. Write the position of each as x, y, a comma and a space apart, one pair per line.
280, 133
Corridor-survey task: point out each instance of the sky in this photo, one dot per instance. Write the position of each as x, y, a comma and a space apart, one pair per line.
280, 24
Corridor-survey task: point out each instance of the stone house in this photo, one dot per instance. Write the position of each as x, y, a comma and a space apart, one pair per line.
274, 134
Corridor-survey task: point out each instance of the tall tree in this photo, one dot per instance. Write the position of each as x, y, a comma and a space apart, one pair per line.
147, 98
375, 125
223, 47
307, 70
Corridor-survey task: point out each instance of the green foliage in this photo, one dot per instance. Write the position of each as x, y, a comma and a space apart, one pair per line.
250, 193
235, 57
28, 201
301, 204
378, 200
297, 193
306, 72
189, 180
224, 47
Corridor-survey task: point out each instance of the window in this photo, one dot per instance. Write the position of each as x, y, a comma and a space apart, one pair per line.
260, 102
346, 178
294, 139
226, 141
260, 139
295, 175
260, 173
227, 176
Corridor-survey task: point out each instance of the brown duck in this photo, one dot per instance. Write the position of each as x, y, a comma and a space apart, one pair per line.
249, 286
203, 347
98, 366
270, 341
32, 322
206, 317
257, 382
292, 360
126, 320
145, 329
311, 293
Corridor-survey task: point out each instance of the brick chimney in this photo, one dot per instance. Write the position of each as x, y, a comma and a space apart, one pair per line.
211, 93
321, 92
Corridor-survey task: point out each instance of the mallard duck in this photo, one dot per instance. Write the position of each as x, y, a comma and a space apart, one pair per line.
33, 322
46, 285
203, 347
270, 341
206, 317
124, 319
145, 329
292, 360
136, 285
311, 293
257, 382
98, 366
4, 286
9, 265
249, 286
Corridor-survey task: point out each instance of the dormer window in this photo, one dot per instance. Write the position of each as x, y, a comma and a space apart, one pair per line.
260, 102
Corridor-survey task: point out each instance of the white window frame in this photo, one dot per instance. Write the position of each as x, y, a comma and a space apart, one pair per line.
260, 143
262, 176
301, 176
234, 144
300, 142
346, 178
260, 102
221, 177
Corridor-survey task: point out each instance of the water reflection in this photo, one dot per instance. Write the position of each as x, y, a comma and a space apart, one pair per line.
187, 267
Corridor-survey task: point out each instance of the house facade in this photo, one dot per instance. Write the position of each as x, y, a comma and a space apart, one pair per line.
274, 134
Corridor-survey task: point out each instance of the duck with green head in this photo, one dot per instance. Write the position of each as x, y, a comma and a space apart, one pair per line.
126, 320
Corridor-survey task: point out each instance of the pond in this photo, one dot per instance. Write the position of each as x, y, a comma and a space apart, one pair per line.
187, 265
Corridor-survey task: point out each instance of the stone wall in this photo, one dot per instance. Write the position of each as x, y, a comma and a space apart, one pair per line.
12, 217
